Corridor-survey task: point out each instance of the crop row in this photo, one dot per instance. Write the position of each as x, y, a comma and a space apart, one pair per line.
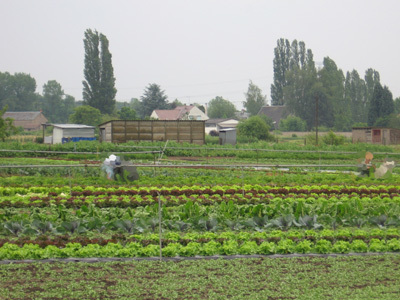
272, 235
145, 224
199, 190
193, 248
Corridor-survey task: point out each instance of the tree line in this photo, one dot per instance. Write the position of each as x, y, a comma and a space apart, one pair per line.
339, 101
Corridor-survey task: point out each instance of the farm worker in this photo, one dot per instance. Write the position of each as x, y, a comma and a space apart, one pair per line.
107, 167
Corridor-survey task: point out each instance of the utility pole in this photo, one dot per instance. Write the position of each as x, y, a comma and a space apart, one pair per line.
316, 119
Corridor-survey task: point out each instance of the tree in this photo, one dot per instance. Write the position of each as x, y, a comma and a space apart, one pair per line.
18, 92
381, 105
281, 66
153, 98
300, 93
254, 99
254, 127
86, 115
221, 108
175, 104
99, 85
6, 125
127, 113
337, 109
397, 105
287, 57
56, 105
371, 78
68, 106
355, 92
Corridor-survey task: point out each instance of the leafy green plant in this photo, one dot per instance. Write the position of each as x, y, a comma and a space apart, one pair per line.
283, 223
309, 222
72, 227
341, 247
359, 246
130, 226
16, 228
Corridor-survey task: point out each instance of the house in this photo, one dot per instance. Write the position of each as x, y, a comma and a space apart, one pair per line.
184, 112
211, 124
218, 124
122, 131
376, 135
28, 120
276, 113
63, 133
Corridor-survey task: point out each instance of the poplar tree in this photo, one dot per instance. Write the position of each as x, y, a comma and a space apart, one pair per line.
99, 85
382, 104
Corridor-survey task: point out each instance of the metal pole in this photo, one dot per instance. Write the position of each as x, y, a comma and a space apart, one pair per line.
159, 224
316, 120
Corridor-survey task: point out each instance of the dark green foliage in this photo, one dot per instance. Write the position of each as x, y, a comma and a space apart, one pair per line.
57, 107
6, 125
127, 113
287, 57
18, 92
371, 78
99, 85
254, 99
397, 105
382, 104
270, 123
332, 139
337, 108
292, 123
220, 108
300, 93
153, 98
356, 94
360, 124
254, 127
86, 115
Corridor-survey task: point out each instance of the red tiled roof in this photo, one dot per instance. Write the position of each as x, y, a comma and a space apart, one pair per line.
173, 114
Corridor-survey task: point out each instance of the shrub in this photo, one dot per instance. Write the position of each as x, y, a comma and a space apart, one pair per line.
254, 127
332, 139
292, 123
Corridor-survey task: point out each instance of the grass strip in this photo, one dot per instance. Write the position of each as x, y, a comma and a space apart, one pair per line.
369, 277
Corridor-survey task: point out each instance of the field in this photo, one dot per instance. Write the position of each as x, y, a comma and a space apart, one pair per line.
227, 222
251, 278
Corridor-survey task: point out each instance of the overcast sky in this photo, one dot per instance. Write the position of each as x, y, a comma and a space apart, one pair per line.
196, 50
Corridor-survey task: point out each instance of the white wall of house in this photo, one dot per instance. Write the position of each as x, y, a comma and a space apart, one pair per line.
197, 115
154, 115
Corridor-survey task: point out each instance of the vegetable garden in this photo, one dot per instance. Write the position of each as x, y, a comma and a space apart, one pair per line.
220, 202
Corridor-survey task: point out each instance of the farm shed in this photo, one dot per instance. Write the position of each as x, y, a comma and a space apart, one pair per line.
227, 136
119, 131
63, 133
376, 135
28, 120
